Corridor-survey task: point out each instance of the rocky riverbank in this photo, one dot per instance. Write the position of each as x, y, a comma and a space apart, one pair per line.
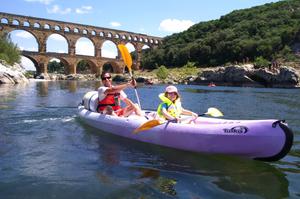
234, 75
12, 74
248, 75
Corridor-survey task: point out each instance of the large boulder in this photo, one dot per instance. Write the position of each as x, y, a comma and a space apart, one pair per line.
12, 74
80, 77
236, 74
248, 75
120, 78
231, 74
281, 77
44, 76
288, 75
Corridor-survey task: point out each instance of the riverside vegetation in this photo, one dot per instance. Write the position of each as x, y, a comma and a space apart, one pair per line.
260, 34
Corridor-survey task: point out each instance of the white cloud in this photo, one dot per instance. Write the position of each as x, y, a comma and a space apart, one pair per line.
84, 9
115, 24
33, 49
85, 48
24, 34
57, 10
145, 47
175, 25
57, 37
108, 53
142, 30
109, 50
46, 2
54, 59
57, 43
27, 64
130, 47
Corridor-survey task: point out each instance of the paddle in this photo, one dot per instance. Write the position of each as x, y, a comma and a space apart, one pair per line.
128, 62
214, 112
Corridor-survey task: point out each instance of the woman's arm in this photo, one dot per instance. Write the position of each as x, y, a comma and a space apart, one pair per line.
118, 88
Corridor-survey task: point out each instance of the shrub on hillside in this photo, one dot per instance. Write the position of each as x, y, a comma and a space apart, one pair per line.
162, 72
8, 50
261, 62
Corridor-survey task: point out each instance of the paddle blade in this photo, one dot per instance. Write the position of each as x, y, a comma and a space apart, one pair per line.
147, 125
214, 112
125, 55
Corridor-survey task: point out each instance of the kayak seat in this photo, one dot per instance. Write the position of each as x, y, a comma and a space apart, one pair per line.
90, 101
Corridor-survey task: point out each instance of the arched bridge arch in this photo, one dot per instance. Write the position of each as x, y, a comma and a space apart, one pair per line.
41, 29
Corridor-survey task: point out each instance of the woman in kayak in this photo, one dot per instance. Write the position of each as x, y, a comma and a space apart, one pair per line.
170, 108
110, 97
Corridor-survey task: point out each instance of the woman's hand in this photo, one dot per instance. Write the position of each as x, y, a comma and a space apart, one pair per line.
132, 83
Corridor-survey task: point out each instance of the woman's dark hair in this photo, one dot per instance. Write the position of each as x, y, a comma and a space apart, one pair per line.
103, 73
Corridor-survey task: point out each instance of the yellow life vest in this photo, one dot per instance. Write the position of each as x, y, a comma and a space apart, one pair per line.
174, 108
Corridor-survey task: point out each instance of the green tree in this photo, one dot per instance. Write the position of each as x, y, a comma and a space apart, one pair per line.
55, 67
83, 67
259, 31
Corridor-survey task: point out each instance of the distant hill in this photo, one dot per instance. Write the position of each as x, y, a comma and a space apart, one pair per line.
271, 31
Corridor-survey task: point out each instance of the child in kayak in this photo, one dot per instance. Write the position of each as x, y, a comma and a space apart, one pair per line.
170, 108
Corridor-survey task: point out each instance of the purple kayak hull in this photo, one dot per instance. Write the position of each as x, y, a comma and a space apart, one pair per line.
267, 140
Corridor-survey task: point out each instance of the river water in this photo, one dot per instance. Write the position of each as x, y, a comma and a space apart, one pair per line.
46, 151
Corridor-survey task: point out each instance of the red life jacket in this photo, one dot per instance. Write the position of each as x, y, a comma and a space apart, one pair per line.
110, 100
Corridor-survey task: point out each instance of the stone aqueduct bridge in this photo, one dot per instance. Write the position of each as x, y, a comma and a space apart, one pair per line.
41, 29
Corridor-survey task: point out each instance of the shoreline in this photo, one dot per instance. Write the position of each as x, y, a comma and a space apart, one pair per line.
120, 78
246, 75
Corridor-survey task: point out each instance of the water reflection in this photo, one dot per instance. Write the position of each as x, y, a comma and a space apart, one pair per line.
9, 93
192, 90
42, 88
41, 144
70, 85
111, 173
194, 172
238, 176
110, 155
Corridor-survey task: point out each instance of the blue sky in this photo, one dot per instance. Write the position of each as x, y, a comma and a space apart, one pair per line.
155, 18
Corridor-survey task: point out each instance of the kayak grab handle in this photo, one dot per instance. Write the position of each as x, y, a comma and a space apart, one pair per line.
277, 122
289, 138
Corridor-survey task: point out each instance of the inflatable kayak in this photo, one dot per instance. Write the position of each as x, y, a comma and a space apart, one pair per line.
267, 140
